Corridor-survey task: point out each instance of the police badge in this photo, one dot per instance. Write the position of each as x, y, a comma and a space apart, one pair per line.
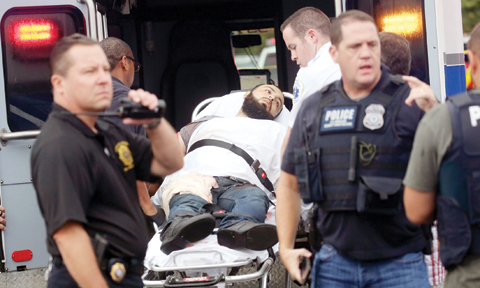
373, 119
124, 155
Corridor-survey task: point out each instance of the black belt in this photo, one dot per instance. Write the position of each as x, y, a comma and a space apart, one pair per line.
254, 164
132, 265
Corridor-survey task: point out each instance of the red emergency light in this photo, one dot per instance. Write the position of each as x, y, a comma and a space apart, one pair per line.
33, 38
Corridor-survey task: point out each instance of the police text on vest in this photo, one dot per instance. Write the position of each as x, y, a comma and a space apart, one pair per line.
339, 118
474, 115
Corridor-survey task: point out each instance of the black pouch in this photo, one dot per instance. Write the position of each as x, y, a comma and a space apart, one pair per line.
454, 231
307, 171
379, 195
474, 197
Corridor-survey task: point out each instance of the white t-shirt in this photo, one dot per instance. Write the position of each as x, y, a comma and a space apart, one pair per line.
319, 72
261, 139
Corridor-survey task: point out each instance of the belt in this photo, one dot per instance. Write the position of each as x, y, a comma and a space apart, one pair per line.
132, 265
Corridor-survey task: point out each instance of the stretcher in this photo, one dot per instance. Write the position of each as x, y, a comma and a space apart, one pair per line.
206, 263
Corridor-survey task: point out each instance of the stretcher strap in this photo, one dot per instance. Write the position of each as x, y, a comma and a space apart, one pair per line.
254, 164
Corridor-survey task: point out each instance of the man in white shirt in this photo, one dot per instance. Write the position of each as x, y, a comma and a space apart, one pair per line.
220, 175
307, 35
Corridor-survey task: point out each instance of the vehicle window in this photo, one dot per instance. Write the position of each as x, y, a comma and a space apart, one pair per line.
28, 36
258, 57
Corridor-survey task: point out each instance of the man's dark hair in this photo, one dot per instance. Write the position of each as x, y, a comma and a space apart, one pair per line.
255, 110
307, 18
395, 52
115, 49
344, 18
59, 62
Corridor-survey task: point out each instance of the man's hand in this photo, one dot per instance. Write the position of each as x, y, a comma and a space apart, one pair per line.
148, 100
291, 258
3, 222
421, 93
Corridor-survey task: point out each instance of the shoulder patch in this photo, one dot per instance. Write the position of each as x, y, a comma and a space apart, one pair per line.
397, 79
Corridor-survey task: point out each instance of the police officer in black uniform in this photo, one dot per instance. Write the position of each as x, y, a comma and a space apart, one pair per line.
348, 153
444, 172
84, 171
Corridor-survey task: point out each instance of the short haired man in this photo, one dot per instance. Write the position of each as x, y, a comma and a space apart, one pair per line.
217, 171
348, 155
396, 53
122, 68
442, 176
84, 171
307, 35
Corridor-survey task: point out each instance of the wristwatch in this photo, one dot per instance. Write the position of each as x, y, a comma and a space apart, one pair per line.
152, 125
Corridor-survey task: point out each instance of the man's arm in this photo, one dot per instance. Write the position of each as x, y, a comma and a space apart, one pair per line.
167, 153
419, 205
78, 256
285, 140
288, 216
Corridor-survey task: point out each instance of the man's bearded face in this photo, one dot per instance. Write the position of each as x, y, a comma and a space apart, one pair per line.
254, 109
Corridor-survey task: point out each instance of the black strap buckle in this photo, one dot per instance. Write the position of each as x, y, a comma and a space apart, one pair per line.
255, 165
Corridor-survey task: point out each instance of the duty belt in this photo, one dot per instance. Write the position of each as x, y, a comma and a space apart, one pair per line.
116, 268
254, 164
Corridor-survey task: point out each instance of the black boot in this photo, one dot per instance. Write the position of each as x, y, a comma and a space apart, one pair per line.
184, 229
248, 234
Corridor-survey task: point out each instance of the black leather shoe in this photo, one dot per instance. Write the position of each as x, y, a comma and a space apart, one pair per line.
248, 234
184, 229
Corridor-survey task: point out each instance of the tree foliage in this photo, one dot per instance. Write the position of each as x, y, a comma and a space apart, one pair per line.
470, 14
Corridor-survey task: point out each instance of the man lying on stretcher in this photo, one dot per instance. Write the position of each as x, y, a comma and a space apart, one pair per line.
238, 177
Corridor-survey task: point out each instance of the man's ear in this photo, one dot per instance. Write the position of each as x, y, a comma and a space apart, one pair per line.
473, 60
311, 36
333, 52
245, 95
57, 83
124, 62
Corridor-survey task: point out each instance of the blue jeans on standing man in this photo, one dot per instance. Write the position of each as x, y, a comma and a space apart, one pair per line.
331, 269
243, 200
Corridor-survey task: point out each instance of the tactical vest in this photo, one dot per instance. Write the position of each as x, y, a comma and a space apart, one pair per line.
355, 161
458, 205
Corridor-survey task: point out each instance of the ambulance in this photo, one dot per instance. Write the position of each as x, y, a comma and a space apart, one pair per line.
187, 50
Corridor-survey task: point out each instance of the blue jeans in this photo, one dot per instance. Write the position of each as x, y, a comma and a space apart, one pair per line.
330, 269
243, 201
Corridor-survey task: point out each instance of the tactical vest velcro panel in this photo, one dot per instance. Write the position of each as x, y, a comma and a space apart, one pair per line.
355, 161
459, 185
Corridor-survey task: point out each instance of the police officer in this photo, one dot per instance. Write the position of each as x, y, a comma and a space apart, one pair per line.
122, 68
348, 153
84, 171
443, 174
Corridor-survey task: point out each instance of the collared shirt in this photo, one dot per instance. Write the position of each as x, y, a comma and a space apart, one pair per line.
89, 178
121, 91
319, 72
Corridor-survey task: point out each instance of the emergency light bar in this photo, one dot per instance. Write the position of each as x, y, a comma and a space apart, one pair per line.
33, 38
34, 31
407, 23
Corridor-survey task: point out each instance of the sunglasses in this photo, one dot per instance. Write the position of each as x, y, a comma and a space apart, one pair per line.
136, 64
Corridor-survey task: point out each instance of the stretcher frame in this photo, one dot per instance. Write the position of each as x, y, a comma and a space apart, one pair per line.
207, 281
